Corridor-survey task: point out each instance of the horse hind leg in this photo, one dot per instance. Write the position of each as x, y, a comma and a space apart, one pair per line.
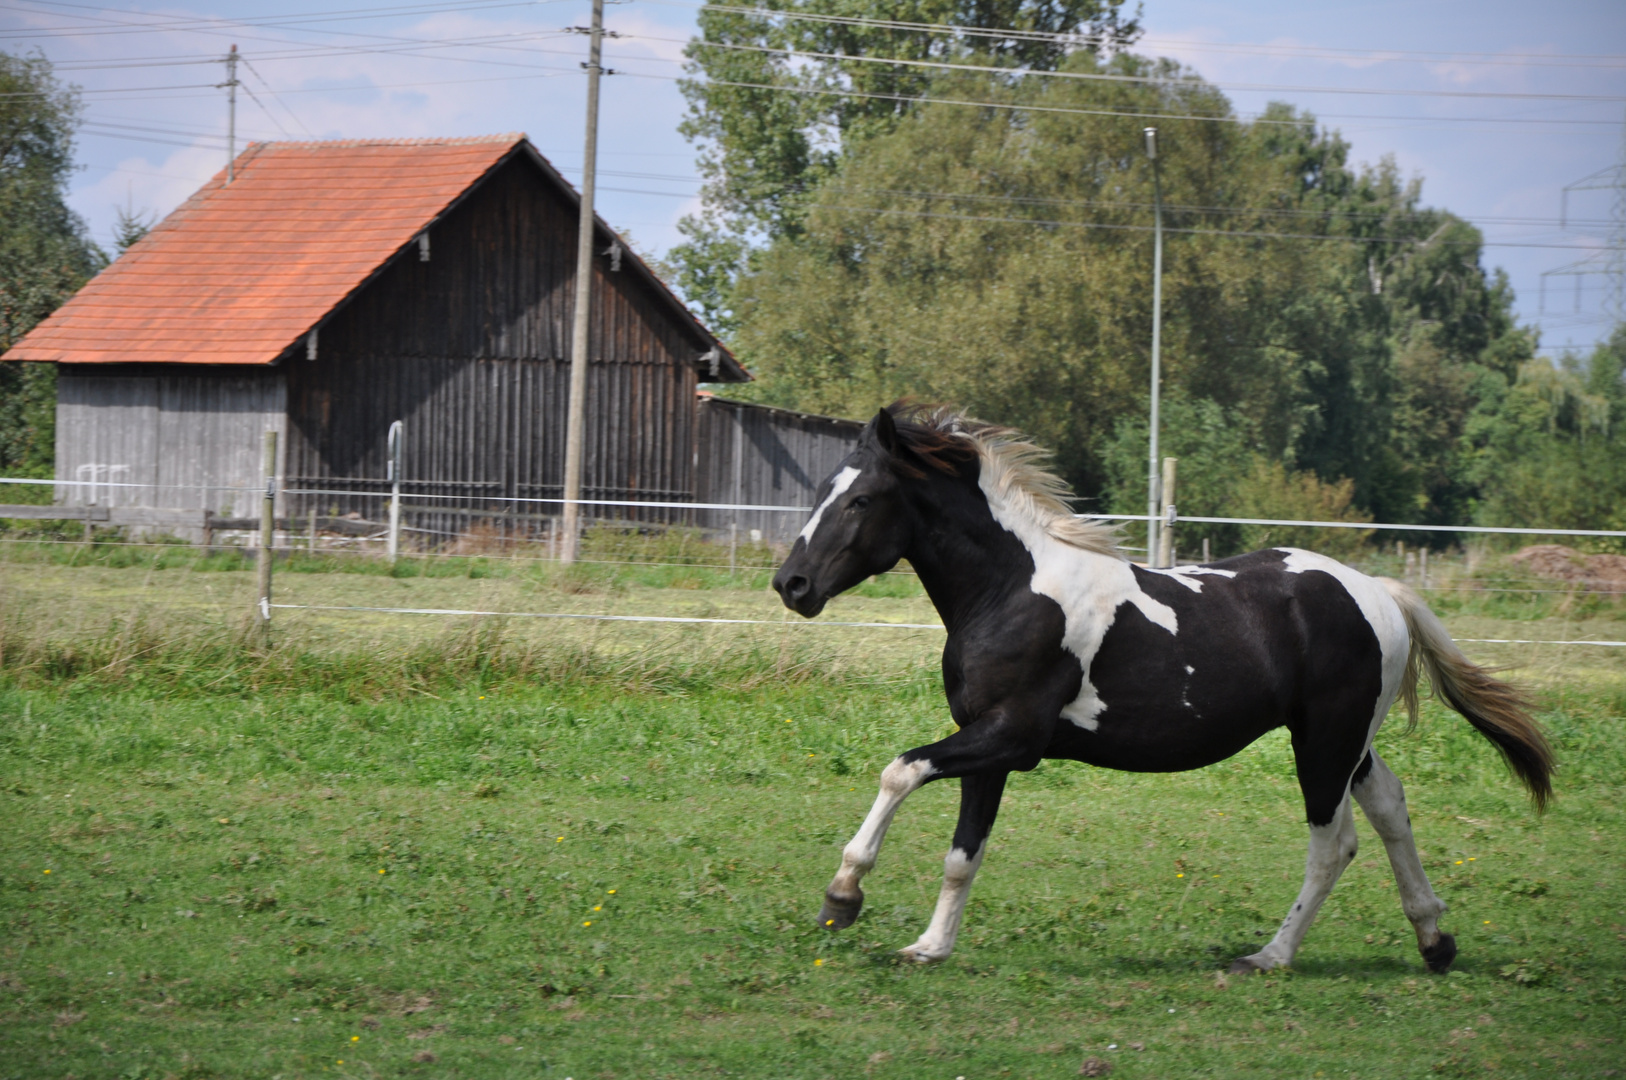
1332, 847
979, 804
1383, 801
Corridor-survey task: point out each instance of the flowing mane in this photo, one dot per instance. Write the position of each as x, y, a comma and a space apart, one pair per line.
1013, 467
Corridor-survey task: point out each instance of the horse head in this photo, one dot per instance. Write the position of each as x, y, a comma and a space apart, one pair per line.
861, 524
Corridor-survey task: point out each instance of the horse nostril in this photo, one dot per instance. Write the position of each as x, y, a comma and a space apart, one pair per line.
794, 588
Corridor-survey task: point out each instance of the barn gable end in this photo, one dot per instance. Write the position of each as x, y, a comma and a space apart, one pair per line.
456, 323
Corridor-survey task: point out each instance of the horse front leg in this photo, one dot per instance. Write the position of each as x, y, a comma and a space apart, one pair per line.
844, 899
979, 804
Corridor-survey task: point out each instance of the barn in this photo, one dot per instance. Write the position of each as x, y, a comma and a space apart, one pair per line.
329, 289
757, 455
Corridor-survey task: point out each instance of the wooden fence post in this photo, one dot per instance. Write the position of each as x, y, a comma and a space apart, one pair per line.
268, 524
394, 543
1165, 554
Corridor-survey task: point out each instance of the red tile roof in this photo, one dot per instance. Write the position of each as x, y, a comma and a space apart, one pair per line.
240, 272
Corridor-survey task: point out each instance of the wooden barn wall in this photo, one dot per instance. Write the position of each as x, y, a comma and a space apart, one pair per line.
470, 349
499, 284
492, 428
784, 457
196, 432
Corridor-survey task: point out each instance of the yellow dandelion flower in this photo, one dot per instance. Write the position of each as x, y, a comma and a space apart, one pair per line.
1471, 858
827, 922
47, 871
559, 840
380, 869
1459, 862
1179, 875
598, 907
612, 892
589, 922
1487, 922
818, 963
355, 1038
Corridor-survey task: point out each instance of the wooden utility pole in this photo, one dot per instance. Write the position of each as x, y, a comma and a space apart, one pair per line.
231, 114
268, 523
576, 418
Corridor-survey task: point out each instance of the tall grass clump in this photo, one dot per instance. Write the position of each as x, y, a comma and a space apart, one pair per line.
189, 658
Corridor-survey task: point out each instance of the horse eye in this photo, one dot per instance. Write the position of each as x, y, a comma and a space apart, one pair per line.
860, 502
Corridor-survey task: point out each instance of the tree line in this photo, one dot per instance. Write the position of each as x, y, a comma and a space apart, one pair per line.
979, 233
1333, 348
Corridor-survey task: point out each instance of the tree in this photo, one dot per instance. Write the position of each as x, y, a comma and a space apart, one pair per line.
1550, 449
772, 125
1000, 258
45, 251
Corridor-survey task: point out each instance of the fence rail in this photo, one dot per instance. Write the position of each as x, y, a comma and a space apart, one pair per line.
209, 523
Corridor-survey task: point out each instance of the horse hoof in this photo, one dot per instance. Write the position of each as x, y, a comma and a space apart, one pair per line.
921, 956
1439, 955
1245, 965
838, 913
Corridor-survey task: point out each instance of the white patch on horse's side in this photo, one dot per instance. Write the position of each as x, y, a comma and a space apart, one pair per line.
1088, 586
1186, 575
1382, 613
1176, 575
844, 480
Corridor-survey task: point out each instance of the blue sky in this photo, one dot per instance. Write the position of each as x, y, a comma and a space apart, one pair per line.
1496, 105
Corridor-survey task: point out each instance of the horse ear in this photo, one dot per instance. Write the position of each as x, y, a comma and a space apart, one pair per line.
886, 432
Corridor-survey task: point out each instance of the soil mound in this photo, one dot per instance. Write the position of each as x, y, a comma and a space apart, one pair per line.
1593, 573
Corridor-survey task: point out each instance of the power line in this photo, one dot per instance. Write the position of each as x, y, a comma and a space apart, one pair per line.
1075, 40
1091, 76
1568, 60
263, 82
1014, 106
1240, 233
115, 26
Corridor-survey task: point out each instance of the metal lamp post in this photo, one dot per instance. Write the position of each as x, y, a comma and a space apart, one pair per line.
1153, 516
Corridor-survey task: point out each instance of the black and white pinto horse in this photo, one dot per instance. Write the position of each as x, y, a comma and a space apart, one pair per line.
1058, 647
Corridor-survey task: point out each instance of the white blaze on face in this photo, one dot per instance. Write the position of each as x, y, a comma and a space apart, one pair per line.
1088, 587
844, 480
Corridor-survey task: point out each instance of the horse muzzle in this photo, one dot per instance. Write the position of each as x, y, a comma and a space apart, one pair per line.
798, 593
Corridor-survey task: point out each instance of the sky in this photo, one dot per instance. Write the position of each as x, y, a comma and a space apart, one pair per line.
1497, 106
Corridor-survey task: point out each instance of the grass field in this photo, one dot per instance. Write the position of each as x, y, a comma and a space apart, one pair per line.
484, 848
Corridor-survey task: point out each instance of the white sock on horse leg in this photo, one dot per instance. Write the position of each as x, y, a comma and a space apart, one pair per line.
959, 870
1383, 801
1332, 847
898, 781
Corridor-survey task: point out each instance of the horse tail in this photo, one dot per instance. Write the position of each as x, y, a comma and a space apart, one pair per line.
1497, 711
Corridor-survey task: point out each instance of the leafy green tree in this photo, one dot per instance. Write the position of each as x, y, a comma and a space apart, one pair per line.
45, 252
1316, 315
1551, 447
770, 129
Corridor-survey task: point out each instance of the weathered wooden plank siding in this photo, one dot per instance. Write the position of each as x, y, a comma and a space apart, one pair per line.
784, 458
471, 351
195, 433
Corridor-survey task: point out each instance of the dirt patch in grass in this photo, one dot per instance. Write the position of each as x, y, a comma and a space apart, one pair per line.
1594, 573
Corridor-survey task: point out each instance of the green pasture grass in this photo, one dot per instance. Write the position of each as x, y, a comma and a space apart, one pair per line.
484, 855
